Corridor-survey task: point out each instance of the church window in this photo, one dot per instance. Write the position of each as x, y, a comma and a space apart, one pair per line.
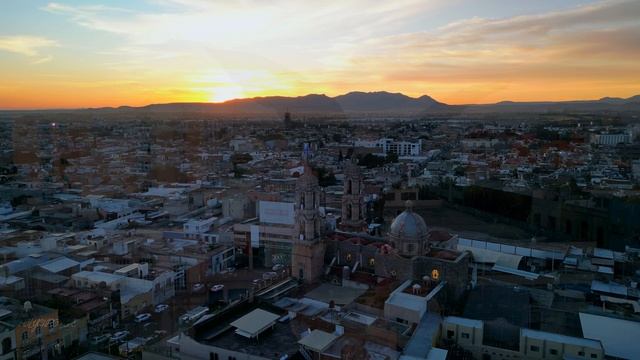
435, 274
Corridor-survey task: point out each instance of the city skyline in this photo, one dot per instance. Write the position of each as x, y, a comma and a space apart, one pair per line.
72, 54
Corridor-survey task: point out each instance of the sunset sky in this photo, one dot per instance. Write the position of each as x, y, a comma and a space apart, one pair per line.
74, 53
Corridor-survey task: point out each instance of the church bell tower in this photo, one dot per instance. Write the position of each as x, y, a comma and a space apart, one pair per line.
352, 199
308, 248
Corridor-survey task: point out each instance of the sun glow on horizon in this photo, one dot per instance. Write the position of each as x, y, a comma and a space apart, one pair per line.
226, 93
193, 50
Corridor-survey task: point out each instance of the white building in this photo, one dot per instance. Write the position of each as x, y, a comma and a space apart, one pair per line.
470, 335
135, 293
386, 145
195, 228
611, 139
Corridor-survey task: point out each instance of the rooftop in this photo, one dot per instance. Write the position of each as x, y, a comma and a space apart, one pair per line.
275, 341
318, 340
253, 323
16, 311
59, 264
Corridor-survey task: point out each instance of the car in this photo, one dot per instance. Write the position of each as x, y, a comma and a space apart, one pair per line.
269, 275
99, 339
160, 308
119, 336
142, 317
217, 287
197, 287
231, 269
277, 267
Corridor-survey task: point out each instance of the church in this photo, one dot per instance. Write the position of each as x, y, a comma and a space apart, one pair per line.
406, 252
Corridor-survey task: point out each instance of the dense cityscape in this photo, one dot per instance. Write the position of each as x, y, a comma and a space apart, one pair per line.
319, 180
457, 236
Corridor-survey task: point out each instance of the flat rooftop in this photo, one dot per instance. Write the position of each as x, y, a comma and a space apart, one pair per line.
275, 341
254, 323
318, 340
341, 295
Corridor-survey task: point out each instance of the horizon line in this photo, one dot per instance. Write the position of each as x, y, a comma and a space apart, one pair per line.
305, 95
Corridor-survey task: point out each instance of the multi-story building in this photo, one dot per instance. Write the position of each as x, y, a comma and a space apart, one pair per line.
611, 139
386, 145
135, 293
270, 234
36, 328
527, 344
7, 341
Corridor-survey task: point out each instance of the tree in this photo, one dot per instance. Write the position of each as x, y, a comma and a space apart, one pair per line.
241, 158
325, 177
391, 158
371, 161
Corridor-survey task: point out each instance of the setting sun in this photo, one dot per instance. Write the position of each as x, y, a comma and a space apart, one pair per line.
222, 94
137, 53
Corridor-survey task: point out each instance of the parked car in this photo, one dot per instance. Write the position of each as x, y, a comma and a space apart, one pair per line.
120, 336
197, 287
269, 275
100, 339
160, 308
142, 317
277, 267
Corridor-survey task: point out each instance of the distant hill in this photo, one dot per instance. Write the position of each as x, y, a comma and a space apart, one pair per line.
278, 104
383, 101
375, 102
359, 102
603, 104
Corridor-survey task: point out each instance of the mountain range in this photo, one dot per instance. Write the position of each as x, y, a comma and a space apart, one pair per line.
381, 102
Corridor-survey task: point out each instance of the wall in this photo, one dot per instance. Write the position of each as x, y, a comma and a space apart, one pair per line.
11, 335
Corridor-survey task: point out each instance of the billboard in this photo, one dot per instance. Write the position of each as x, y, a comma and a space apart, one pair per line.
273, 212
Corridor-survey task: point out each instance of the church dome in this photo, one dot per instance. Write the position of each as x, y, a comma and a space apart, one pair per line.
408, 233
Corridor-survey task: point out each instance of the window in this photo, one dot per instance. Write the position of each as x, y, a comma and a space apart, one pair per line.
580, 353
534, 348
450, 334
6, 346
52, 324
39, 331
594, 356
553, 351
372, 262
232, 358
464, 335
25, 335
435, 274
213, 356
